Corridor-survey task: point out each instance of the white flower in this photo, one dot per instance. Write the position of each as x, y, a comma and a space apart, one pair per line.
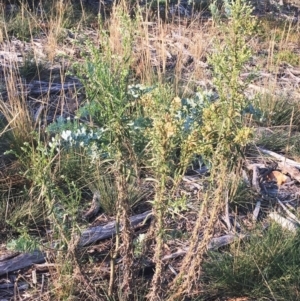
54, 143
94, 152
66, 135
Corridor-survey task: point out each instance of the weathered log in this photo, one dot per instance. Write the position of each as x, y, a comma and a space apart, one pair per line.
38, 88
93, 234
21, 261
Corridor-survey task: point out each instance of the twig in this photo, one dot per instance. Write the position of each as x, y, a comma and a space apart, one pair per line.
226, 217
255, 178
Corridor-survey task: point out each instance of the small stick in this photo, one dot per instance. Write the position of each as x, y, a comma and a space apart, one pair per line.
256, 211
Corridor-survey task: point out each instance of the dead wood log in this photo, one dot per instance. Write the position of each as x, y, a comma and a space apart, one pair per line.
93, 234
21, 261
38, 88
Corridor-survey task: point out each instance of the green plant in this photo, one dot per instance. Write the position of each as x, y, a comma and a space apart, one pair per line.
277, 111
288, 56
24, 243
105, 184
222, 134
105, 76
172, 136
59, 197
20, 23
264, 267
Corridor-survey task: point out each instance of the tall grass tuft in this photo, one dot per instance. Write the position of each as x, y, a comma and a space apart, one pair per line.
15, 108
264, 267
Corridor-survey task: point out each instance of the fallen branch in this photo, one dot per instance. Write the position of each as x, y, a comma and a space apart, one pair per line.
95, 206
99, 233
41, 87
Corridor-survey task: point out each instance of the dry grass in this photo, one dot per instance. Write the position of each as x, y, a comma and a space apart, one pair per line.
173, 52
15, 108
